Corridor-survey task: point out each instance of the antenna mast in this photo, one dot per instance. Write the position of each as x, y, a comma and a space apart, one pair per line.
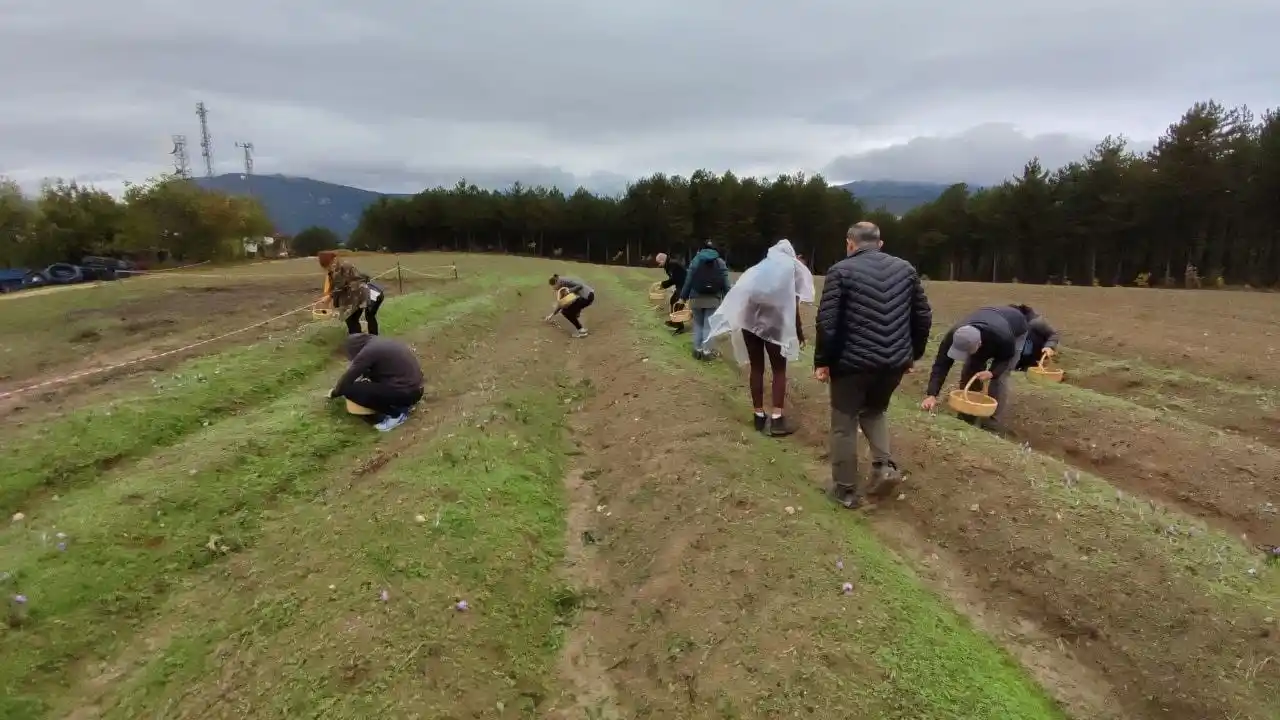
248, 156
206, 143
181, 163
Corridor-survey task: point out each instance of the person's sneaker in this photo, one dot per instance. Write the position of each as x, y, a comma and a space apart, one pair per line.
779, 427
760, 422
697, 355
581, 333
677, 329
885, 478
846, 498
391, 422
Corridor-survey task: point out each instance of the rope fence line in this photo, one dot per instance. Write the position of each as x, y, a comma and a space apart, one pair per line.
96, 371
155, 356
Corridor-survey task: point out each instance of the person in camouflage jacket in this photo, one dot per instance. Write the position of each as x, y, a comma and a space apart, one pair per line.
351, 292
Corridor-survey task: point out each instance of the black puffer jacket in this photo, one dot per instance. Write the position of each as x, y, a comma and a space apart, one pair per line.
873, 315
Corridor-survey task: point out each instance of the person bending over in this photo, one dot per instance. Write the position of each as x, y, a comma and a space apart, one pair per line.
384, 376
1041, 336
987, 343
352, 292
676, 275
573, 311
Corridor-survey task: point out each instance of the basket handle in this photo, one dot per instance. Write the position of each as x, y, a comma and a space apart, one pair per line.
655, 287
680, 305
967, 386
561, 292
1044, 358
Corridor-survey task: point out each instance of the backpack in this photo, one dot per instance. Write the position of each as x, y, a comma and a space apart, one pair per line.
708, 279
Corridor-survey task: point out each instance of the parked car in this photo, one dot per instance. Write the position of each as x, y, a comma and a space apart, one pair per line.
94, 267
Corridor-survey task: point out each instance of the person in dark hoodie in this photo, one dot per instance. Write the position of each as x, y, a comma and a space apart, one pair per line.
384, 376
705, 286
1040, 337
988, 344
676, 275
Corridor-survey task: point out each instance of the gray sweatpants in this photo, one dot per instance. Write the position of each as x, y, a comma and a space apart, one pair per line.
859, 400
1000, 384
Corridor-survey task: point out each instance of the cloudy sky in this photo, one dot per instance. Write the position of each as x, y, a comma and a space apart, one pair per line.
395, 95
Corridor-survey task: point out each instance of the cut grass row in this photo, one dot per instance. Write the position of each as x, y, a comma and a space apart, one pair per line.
298, 629
135, 533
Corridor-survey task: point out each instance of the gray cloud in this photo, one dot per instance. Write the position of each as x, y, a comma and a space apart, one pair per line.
388, 92
982, 155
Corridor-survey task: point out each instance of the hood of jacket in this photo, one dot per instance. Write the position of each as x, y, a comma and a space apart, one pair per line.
706, 254
355, 343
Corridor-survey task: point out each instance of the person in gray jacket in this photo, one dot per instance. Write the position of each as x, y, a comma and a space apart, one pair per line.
988, 343
384, 376
573, 311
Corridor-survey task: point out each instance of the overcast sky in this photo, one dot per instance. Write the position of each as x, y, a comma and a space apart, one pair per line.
395, 95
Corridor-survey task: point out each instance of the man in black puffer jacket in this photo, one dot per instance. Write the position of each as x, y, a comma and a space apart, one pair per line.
873, 324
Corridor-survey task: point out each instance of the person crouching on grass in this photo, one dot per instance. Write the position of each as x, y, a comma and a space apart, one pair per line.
573, 311
384, 376
352, 292
761, 315
676, 275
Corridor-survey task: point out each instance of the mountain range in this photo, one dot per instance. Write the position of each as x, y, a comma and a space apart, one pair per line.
296, 203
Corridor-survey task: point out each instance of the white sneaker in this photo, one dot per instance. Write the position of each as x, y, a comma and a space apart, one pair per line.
581, 333
391, 422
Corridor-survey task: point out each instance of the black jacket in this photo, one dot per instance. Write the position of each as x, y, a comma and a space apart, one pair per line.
873, 315
1000, 328
380, 360
1041, 335
675, 274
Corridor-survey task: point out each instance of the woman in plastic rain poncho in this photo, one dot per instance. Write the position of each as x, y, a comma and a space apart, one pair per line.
761, 315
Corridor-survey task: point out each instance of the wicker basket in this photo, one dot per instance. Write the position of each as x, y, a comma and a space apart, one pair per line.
967, 402
355, 409
656, 293
1043, 372
682, 314
565, 297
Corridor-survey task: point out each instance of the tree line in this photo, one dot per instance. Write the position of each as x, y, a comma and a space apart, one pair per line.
660, 213
67, 221
1198, 207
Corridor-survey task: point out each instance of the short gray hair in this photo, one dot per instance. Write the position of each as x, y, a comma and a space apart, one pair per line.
863, 233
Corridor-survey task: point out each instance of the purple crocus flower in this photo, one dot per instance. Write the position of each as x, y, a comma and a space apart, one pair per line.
20, 599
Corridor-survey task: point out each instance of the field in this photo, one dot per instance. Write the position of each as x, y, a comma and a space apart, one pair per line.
203, 536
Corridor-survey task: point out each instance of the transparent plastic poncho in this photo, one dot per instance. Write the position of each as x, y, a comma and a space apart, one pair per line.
763, 302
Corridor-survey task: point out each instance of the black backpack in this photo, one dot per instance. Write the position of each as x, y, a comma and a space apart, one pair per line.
708, 279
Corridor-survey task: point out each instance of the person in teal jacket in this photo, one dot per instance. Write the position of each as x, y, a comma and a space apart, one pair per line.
705, 286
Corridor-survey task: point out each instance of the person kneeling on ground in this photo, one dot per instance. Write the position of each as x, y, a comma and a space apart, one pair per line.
384, 376
586, 296
1040, 337
676, 275
992, 335
761, 315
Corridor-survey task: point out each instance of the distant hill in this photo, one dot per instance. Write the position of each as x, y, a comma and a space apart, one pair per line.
296, 203
895, 196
